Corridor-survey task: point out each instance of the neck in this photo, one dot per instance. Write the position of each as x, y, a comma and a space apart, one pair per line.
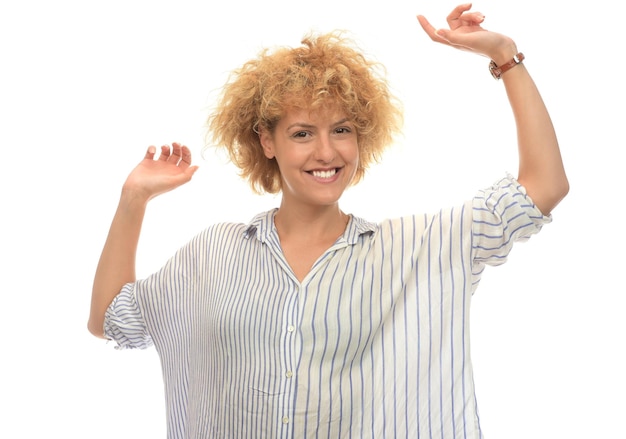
318, 223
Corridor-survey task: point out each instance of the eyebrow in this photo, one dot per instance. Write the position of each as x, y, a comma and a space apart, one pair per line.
307, 125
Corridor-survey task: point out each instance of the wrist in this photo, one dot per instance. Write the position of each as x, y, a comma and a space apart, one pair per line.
504, 53
498, 70
133, 200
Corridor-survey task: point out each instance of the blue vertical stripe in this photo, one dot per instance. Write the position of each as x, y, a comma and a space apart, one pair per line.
373, 343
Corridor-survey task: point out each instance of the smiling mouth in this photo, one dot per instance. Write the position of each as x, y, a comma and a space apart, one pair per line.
324, 174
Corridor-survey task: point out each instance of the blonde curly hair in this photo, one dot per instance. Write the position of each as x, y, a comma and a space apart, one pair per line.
326, 70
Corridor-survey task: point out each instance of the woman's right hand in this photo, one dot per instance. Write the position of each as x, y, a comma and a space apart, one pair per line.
152, 177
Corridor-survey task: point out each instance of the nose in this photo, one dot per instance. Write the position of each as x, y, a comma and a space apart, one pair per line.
324, 149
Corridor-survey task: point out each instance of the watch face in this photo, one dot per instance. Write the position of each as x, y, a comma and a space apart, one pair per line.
494, 70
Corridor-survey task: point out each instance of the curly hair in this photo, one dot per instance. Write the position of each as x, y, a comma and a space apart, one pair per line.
326, 70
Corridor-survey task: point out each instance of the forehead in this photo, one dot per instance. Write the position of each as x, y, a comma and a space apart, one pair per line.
327, 114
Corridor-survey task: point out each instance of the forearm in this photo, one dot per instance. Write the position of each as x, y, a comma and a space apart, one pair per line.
540, 165
117, 261
541, 169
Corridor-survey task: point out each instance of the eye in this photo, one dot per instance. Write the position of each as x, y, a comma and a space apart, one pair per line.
343, 130
300, 135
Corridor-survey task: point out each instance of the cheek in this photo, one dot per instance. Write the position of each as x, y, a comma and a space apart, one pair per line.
352, 158
352, 155
357, 155
290, 157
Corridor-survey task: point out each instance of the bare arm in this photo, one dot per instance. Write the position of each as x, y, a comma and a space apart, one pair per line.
541, 168
117, 261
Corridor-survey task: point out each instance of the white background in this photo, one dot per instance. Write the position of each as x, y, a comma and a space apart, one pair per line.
87, 86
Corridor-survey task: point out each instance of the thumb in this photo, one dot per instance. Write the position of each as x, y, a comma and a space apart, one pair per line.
454, 39
443, 33
191, 170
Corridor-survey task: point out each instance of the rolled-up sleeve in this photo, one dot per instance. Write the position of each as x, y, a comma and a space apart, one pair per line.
124, 322
502, 215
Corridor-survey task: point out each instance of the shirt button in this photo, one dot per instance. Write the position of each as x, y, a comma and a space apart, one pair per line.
285, 420
289, 374
291, 328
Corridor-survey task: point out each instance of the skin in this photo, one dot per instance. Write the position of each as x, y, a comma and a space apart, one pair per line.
541, 169
317, 154
117, 262
309, 219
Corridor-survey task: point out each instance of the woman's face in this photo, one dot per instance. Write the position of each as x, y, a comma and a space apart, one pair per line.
317, 154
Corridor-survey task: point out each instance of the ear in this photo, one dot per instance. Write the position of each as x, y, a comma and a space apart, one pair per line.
267, 143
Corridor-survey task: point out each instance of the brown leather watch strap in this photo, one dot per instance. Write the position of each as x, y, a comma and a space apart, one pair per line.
497, 71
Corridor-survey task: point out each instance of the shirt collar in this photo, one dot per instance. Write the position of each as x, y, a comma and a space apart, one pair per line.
262, 226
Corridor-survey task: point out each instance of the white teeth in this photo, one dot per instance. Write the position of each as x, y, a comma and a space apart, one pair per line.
324, 174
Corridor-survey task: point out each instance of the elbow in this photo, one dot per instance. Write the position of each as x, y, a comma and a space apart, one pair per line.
551, 198
560, 189
97, 315
564, 188
96, 327
545, 194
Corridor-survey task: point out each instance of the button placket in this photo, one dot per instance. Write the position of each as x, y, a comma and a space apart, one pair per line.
290, 355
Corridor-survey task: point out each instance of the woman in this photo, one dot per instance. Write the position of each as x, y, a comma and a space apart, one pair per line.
310, 322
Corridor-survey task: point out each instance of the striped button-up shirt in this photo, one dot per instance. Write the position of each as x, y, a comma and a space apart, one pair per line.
373, 343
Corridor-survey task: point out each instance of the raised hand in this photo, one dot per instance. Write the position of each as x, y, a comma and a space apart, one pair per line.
117, 263
466, 33
153, 177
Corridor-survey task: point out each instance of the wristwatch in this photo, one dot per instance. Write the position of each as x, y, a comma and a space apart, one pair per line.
497, 72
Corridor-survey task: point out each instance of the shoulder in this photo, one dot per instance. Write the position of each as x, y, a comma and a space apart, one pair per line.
420, 222
223, 233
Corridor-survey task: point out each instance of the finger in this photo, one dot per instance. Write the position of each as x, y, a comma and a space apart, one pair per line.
150, 153
430, 30
456, 13
185, 160
175, 153
472, 18
165, 153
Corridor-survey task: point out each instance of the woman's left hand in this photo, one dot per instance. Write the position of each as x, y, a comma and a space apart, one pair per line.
466, 33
